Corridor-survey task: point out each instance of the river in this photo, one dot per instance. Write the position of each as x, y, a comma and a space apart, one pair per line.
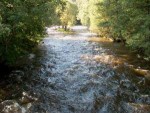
78, 73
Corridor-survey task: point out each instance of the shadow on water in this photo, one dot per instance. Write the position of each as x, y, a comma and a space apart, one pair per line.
79, 73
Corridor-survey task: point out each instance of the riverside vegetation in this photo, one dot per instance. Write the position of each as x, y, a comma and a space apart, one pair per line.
22, 22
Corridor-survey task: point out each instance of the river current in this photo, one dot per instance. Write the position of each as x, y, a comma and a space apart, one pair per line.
77, 73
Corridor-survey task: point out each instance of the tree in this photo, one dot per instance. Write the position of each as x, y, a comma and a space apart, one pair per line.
67, 12
83, 12
88, 13
127, 20
139, 35
94, 15
22, 23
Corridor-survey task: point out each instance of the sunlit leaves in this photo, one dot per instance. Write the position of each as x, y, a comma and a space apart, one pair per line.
83, 12
67, 12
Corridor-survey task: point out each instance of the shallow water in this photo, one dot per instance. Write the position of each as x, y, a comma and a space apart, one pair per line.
80, 73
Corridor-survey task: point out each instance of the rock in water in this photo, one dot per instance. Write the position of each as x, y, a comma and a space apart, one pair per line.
143, 72
11, 106
31, 56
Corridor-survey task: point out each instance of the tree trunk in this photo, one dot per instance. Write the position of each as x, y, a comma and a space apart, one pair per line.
65, 28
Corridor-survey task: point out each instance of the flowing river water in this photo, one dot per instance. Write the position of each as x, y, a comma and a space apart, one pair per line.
79, 73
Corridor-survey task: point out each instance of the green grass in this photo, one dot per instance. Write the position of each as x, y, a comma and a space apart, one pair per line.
68, 31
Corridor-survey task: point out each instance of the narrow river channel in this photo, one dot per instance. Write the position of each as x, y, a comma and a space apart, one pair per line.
80, 73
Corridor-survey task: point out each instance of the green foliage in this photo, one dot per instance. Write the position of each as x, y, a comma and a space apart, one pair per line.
67, 12
94, 15
140, 19
22, 22
127, 20
88, 13
83, 12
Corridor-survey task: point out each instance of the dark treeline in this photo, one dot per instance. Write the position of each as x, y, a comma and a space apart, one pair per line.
23, 22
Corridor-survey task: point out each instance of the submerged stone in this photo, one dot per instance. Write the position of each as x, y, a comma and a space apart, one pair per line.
11, 106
